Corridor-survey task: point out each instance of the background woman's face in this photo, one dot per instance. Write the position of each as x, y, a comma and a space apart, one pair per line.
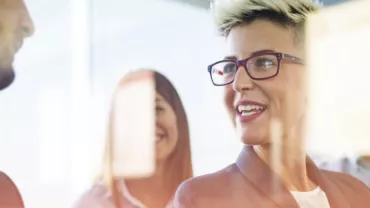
166, 128
283, 96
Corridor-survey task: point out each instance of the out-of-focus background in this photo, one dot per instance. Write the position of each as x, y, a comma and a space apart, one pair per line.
53, 119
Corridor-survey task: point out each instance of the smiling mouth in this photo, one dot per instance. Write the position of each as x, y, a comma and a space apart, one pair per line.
159, 138
248, 112
250, 109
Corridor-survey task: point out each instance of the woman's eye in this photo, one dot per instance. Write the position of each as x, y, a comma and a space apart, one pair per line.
159, 108
263, 62
229, 68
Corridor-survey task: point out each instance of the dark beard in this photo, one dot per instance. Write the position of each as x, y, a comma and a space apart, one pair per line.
7, 77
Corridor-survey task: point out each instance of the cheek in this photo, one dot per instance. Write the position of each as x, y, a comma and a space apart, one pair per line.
287, 99
276, 98
172, 131
165, 148
169, 145
169, 124
229, 97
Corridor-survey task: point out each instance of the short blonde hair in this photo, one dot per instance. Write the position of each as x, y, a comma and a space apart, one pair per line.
230, 13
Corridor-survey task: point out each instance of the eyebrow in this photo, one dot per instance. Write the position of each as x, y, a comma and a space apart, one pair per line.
252, 54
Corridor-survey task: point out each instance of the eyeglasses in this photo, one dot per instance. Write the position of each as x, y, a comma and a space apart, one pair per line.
258, 67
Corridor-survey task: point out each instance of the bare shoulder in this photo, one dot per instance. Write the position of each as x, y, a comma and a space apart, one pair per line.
96, 197
205, 187
347, 182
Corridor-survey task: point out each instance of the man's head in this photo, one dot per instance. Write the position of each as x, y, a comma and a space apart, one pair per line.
15, 26
264, 69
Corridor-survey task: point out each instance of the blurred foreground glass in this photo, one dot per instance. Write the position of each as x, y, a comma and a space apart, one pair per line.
338, 47
132, 147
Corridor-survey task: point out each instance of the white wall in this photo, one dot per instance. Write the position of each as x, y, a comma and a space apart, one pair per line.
38, 144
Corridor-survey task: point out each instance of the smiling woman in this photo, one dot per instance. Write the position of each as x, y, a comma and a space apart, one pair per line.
267, 100
172, 155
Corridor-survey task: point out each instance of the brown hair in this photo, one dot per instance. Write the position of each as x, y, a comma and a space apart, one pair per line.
179, 163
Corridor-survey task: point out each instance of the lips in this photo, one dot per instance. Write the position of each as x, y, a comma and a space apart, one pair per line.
159, 135
248, 110
159, 138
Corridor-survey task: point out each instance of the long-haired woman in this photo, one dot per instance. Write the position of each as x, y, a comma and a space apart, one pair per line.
173, 156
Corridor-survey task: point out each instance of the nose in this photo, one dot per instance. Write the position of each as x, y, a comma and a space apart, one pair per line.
26, 24
242, 81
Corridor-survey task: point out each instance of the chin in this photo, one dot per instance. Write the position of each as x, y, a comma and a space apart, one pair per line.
161, 156
7, 77
254, 136
253, 141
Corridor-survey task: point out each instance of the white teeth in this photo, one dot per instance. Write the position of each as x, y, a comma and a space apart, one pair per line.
243, 108
245, 113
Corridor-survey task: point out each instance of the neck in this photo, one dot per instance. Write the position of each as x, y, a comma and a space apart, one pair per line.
288, 160
152, 191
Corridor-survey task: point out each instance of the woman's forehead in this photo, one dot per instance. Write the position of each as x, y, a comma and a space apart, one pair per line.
260, 35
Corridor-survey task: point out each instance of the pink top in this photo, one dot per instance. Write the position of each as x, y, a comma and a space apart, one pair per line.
99, 197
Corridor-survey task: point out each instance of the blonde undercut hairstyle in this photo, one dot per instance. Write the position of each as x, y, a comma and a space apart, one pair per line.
287, 13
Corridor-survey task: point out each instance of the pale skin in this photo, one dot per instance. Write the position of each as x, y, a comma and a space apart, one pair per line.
150, 190
284, 96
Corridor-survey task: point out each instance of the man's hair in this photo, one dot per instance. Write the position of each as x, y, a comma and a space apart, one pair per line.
287, 13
